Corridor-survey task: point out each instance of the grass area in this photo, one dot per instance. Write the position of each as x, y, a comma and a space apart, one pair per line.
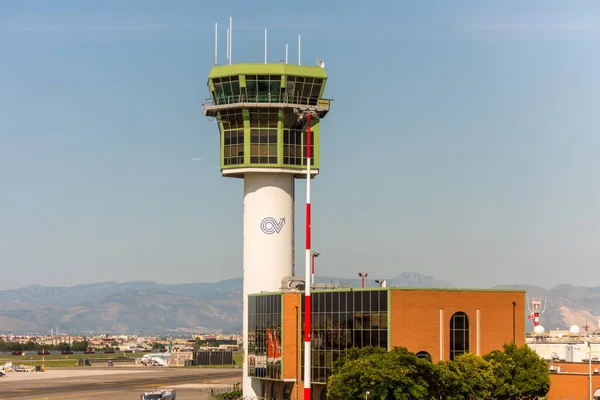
47, 364
35, 356
238, 358
58, 360
71, 360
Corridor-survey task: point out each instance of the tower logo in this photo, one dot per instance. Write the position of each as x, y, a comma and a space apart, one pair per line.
270, 226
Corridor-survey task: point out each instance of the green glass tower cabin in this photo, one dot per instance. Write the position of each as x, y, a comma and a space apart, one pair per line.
257, 108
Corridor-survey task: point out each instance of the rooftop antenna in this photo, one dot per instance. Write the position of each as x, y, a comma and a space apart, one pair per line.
265, 46
536, 307
286, 53
299, 63
230, 37
216, 43
227, 57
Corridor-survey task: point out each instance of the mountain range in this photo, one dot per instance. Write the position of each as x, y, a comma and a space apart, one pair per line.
146, 307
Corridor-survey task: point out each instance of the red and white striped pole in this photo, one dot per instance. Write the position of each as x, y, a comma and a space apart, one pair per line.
307, 274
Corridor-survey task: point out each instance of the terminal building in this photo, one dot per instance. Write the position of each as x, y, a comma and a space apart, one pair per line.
436, 323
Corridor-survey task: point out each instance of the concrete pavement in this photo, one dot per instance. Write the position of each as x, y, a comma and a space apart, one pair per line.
116, 382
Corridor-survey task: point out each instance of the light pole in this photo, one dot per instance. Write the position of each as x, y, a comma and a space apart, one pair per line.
313, 255
363, 275
589, 345
367, 393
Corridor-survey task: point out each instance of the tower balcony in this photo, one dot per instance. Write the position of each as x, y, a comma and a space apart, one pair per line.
318, 105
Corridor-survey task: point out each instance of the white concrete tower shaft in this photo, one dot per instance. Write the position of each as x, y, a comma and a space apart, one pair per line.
268, 243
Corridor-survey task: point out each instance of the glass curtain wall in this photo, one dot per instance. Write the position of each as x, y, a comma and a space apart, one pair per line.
342, 320
264, 336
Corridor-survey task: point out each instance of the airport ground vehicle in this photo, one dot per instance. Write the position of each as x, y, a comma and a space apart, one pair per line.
159, 395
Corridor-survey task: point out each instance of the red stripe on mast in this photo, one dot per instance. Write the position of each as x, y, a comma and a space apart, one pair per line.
307, 277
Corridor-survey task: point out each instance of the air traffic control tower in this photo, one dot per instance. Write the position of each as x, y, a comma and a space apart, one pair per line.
259, 109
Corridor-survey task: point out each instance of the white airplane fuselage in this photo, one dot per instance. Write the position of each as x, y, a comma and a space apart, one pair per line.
161, 359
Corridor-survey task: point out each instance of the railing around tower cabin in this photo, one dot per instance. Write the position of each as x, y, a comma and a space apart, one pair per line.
223, 102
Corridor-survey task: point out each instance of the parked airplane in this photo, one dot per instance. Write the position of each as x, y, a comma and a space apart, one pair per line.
161, 359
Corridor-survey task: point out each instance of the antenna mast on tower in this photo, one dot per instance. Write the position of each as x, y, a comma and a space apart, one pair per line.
535, 309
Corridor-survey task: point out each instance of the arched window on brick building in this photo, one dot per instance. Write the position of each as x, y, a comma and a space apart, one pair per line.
459, 334
424, 354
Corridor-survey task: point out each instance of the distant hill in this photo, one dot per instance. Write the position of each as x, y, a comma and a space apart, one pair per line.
140, 306
406, 279
566, 305
149, 307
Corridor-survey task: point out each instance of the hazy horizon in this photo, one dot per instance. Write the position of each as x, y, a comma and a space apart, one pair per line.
462, 141
368, 282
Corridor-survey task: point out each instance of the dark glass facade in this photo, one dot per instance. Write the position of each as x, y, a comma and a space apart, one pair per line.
342, 320
459, 334
264, 336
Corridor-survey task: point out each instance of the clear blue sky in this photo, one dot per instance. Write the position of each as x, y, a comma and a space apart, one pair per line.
463, 142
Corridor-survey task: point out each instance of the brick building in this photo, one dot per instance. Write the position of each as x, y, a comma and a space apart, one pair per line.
437, 323
571, 381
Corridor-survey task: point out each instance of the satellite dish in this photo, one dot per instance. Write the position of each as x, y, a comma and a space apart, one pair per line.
574, 330
321, 64
539, 330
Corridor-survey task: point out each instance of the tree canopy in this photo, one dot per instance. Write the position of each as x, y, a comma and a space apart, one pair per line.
519, 373
513, 373
397, 374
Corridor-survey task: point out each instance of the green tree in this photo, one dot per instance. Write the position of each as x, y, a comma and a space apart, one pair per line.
79, 346
31, 346
468, 376
397, 374
157, 346
62, 347
519, 373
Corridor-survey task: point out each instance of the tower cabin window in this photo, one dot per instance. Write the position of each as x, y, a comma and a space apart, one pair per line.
227, 90
264, 88
303, 90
